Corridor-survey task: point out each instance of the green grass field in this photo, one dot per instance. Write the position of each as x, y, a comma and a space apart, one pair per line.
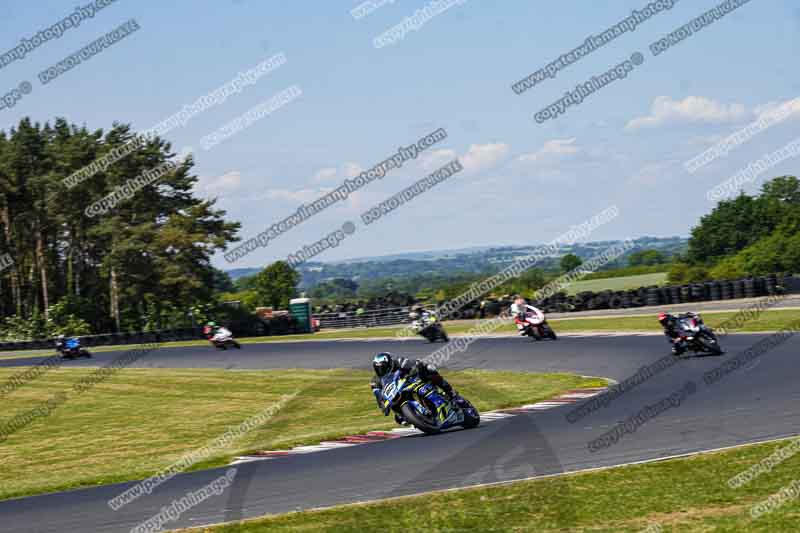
678, 495
617, 284
142, 420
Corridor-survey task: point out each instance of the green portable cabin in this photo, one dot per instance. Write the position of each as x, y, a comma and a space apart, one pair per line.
300, 309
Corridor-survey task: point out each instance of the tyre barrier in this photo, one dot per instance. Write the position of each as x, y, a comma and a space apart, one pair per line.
675, 294
685, 293
749, 288
653, 296
697, 292
770, 284
738, 289
727, 290
669, 295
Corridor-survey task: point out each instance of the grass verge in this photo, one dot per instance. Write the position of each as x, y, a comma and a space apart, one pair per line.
143, 420
689, 494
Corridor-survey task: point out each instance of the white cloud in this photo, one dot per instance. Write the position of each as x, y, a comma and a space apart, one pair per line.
298, 197
226, 183
483, 156
352, 170
325, 174
437, 158
555, 147
789, 107
477, 157
328, 174
665, 110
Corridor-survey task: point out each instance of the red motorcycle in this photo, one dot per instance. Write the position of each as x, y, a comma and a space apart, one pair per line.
534, 325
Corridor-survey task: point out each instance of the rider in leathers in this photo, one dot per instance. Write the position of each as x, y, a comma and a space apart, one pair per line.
384, 363
520, 309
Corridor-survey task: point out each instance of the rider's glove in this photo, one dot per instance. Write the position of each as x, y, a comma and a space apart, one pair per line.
377, 393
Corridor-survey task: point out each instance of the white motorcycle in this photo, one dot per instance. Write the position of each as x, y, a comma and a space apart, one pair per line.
535, 325
223, 339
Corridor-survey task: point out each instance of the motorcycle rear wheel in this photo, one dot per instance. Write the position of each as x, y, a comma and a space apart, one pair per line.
418, 421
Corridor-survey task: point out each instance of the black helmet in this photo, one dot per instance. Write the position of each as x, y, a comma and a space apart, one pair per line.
382, 363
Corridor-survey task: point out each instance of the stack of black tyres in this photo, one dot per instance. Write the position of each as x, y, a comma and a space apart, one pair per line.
738, 289
685, 293
749, 288
716, 290
666, 295
653, 296
707, 290
627, 299
697, 292
770, 284
675, 293
727, 290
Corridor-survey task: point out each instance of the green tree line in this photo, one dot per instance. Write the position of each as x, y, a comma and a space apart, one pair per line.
746, 236
142, 264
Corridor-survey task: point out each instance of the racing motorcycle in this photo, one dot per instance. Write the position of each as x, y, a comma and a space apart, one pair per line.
223, 339
71, 349
696, 336
535, 326
431, 329
423, 405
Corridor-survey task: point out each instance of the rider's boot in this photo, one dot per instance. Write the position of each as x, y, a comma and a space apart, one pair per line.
450, 394
678, 347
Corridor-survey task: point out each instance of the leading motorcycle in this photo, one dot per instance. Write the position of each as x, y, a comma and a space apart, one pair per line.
696, 336
422, 404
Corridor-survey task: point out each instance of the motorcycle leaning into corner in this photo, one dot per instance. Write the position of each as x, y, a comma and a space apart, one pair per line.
689, 332
427, 325
532, 323
70, 348
422, 405
221, 338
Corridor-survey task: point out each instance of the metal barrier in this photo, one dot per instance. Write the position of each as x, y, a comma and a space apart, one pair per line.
367, 319
106, 339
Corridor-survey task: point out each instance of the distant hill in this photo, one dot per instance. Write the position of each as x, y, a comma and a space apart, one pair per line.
448, 262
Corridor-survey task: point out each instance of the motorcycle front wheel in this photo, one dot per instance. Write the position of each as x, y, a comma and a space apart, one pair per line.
710, 343
422, 423
471, 416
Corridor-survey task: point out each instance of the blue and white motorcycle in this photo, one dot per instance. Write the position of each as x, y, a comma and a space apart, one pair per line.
423, 405
71, 348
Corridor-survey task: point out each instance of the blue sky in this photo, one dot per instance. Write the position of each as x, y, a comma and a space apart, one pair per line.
523, 182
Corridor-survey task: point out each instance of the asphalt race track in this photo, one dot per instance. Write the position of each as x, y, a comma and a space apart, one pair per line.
756, 402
